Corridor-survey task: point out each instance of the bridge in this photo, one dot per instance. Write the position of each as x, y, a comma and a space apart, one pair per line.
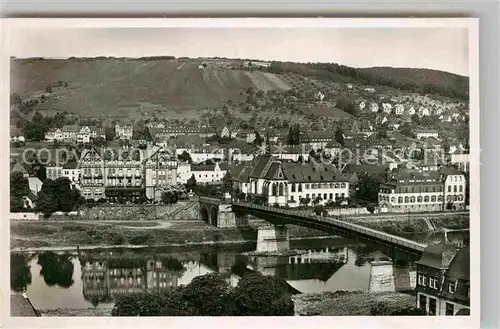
393, 246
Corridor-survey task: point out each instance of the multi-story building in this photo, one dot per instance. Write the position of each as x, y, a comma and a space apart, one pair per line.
71, 170
443, 280
174, 132
410, 190
160, 169
92, 175
16, 135
124, 131
209, 174
287, 183
53, 170
123, 173
461, 160
317, 139
70, 133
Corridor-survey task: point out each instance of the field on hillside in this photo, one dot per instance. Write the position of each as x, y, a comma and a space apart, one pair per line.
114, 86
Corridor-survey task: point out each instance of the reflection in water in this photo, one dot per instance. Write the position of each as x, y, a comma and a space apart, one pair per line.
20, 271
97, 277
56, 269
106, 275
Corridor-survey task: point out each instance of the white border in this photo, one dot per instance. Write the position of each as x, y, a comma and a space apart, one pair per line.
297, 322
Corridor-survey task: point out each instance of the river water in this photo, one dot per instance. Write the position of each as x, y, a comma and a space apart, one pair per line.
95, 278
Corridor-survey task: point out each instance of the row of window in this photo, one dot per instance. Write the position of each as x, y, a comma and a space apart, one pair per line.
325, 196
424, 199
418, 189
431, 282
298, 187
461, 188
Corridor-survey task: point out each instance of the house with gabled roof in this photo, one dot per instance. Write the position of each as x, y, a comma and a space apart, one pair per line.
287, 183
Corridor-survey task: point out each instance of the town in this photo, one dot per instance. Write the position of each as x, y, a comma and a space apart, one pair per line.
381, 164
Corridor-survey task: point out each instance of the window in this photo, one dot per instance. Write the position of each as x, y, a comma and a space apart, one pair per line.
422, 303
407, 199
460, 198
451, 287
450, 309
448, 198
419, 199
300, 187
432, 306
433, 198
426, 198
393, 199
342, 185
412, 199
455, 189
291, 198
421, 280
432, 283
440, 198
449, 189
313, 195
400, 199
293, 187
307, 186
461, 188
342, 195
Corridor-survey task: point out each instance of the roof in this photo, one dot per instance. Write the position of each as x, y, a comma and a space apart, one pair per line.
71, 165
449, 170
70, 128
405, 176
260, 165
18, 167
312, 172
460, 265
438, 256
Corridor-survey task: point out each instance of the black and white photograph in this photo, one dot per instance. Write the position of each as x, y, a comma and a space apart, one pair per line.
226, 167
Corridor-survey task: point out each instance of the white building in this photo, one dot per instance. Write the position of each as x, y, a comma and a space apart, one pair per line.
209, 174
124, 131
71, 170
425, 133
362, 105
399, 109
411, 111
53, 135
461, 160
373, 107
387, 108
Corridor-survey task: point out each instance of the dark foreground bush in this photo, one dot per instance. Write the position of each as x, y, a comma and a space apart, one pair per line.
211, 295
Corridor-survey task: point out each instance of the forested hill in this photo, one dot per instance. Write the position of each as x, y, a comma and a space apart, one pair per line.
422, 81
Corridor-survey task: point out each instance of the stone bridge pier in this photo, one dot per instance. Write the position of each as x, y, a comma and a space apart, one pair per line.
273, 238
219, 214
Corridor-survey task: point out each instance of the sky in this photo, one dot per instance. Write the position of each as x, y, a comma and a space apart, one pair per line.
444, 49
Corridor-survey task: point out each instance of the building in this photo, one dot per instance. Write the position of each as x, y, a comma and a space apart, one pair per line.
461, 160
374, 107
387, 108
124, 131
425, 133
183, 172
286, 183
160, 172
92, 175
18, 167
292, 152
71, 170
209, 174
70, 133
174, 132
399, 109
443, 280
35, 184
409, 190
317, 139
16, 135
54, 134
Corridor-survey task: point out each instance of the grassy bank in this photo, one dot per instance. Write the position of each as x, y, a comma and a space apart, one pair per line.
348, 303
415, 225
87, 233
91, 311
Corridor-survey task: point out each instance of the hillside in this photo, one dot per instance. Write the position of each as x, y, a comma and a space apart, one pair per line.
420, 76
98, 86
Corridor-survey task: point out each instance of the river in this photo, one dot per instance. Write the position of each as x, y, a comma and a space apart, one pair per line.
94, 278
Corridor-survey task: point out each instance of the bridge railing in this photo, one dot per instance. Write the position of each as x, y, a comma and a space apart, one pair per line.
351, 226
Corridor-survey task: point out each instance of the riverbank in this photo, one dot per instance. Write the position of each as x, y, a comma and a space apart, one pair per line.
67, 235
349, 303
340, 303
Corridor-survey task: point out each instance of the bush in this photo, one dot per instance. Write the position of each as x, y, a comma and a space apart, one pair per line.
379, 309
409, 229
370, 208
118, 240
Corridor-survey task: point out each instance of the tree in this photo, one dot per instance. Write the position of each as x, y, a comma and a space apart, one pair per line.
370, 208
48, 88
293, 137
305, 201
185, 156
56, 269
406, 129
19, 188
320, 210
258, 295
57, 195
110, 133
20, 276
169, 197
227, 183
191, 183
258, 139
208, 295
367, 188
339, 136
